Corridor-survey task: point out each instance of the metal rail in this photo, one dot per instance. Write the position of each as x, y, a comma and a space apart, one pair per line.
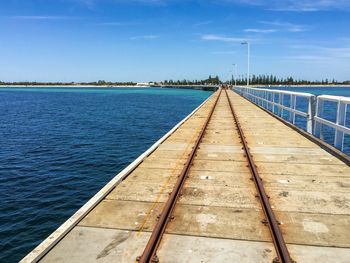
149, 253
277, 237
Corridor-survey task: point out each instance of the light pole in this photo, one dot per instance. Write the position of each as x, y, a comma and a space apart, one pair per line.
235, 72
248, 45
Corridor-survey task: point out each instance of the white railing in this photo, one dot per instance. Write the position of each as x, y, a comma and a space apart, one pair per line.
272, 100
338, 125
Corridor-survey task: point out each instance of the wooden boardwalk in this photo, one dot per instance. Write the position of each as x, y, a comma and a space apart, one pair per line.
218, 217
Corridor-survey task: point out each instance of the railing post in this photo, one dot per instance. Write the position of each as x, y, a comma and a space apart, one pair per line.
259, 95
319, 111
339, 135
267, 100
310, 114
256, 101
282, 99
263, 95
263, 102
273, 101
279, 109
292, 107
260, 98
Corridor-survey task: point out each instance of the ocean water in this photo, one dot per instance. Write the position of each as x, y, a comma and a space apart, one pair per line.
59, 146
330, 110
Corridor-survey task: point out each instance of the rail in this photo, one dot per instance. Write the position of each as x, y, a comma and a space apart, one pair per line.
274, 101
150, 252
283, 255
340, 123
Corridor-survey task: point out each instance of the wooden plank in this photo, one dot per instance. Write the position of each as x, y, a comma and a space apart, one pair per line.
206, 221
89, 245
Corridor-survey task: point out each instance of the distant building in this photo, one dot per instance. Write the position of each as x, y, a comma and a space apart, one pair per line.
145, 84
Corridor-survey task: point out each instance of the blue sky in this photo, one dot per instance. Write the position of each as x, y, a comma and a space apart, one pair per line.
152, 40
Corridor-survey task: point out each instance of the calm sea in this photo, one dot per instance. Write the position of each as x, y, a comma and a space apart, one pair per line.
60, 146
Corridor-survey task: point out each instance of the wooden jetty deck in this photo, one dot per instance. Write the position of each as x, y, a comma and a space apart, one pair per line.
218, 215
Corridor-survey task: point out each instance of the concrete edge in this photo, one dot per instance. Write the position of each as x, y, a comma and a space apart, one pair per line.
325, 146
39, 252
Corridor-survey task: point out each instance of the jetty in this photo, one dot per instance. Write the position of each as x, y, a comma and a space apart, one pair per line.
229, 183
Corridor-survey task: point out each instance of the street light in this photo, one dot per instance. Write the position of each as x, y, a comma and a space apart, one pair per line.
235, 72
248, 45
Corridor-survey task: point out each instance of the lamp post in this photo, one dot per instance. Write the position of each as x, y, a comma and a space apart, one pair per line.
235, 72
248, 46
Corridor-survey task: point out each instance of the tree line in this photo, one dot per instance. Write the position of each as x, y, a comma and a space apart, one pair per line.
94, 83
274, 80
209, 81
253, 80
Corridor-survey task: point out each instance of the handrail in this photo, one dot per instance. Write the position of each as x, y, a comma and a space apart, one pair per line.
335, 98
266, 98
338, 125
300, 94
315, 120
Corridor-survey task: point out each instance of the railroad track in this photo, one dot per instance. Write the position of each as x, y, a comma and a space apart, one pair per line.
150, 252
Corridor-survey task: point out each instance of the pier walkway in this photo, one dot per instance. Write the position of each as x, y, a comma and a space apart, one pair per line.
294, 207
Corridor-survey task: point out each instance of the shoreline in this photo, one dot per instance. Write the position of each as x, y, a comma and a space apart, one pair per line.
198, 87
71, 86
304, 86
171, 86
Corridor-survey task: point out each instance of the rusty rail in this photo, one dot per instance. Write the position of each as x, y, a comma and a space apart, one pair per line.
149, 253
283, 255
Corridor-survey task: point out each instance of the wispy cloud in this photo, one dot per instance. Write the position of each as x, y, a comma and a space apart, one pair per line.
247, 2
41, 17
203, 23
331, 52
115, 24
88, 3
211, 37
286, 26
110, 24
146, 37
275, 5
91, 4
310, 5
307, 58
339, 52
317, 53
296, 5
257, 30
149, 2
